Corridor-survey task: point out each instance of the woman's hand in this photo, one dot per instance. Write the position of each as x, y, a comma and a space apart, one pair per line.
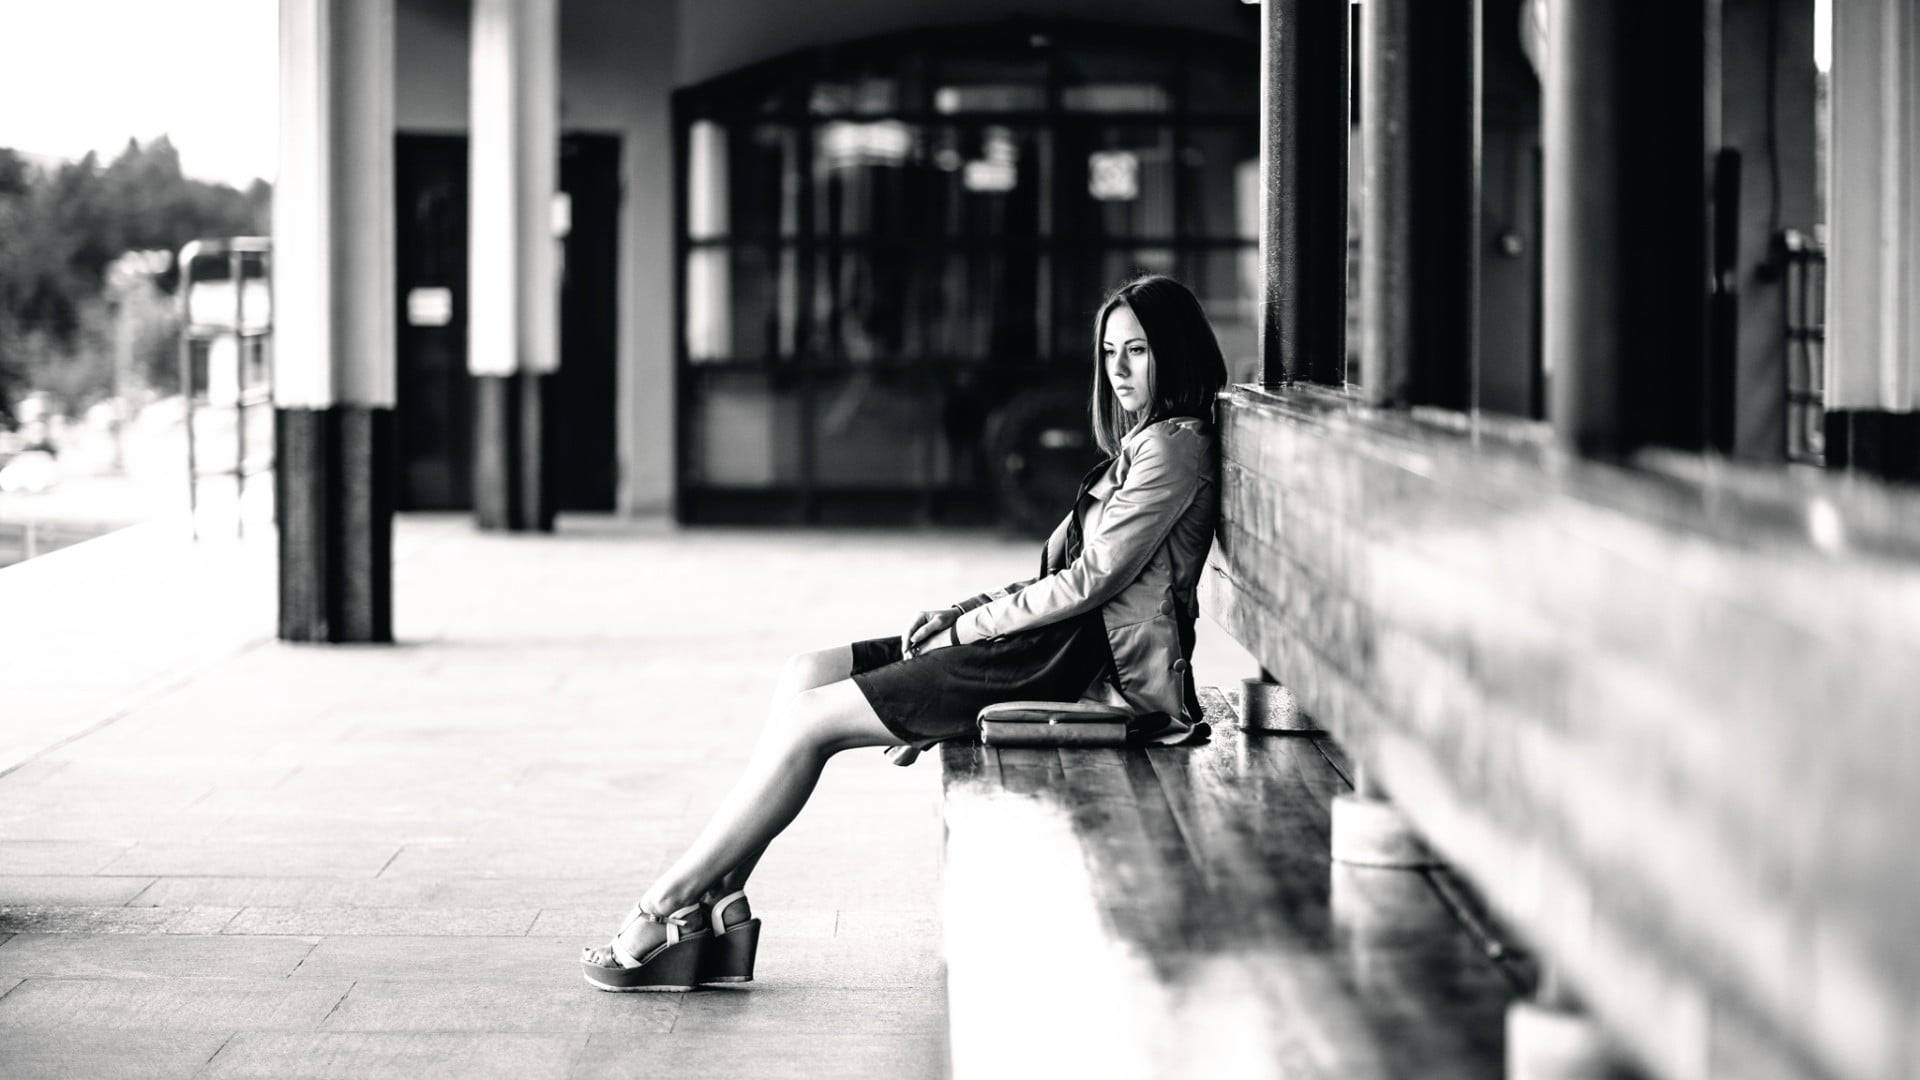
929, 631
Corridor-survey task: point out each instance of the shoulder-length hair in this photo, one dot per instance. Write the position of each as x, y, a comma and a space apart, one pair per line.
1188, 369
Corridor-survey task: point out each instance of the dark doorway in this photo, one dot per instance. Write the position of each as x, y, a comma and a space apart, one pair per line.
433, 429
434, 406
583, 465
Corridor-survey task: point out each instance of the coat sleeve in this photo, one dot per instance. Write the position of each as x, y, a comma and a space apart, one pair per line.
1160, 484
1050, 559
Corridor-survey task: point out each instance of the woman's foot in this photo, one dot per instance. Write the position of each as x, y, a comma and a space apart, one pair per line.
650, 952
637, 937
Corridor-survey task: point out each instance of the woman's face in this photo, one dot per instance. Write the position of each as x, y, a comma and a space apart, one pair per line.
1128, 359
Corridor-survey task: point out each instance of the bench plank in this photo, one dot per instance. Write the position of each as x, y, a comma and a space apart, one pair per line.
1175, 911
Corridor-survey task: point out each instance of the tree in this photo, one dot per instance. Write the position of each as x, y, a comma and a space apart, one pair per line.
59, 230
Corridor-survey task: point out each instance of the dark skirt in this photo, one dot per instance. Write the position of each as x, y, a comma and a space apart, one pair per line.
936, 695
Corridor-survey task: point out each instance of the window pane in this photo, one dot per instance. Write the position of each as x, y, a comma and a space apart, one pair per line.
741, 303
1083, 279
745, 433
1114, 81
1226, 284
1115, 181
1004, 83
1220, 194
1229, 84
766, 183
878, 430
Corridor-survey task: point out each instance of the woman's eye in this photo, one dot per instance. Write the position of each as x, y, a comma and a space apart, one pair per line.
1137, 350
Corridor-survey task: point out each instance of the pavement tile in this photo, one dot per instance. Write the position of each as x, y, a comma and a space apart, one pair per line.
521, 860
320, 859
597, 923
871, 924
399, 1056
107, 1054
223, 1005
57, 856
71, 889
157, 955
40, 919
765, 1007
537, 959
447, 892
412, 921
773, 1055
847, 964
501, 1005
443, 822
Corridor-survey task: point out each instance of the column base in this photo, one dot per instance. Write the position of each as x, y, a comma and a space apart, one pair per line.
1885, 444
1373, 832
333, 490
1545, 1043
510, 489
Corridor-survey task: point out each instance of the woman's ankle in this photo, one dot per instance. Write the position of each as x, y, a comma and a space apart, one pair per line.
659, 901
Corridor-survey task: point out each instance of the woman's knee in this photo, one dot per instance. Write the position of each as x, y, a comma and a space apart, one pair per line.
818, 667
812, 720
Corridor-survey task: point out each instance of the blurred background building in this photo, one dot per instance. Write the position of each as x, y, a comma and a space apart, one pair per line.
833, 261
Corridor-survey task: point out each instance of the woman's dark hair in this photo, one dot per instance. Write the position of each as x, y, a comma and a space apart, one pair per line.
1188, 369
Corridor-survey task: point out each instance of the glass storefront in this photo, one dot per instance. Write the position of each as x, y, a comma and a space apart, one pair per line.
891, 253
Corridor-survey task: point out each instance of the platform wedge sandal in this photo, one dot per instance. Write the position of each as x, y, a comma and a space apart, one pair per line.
673, 965
732, 945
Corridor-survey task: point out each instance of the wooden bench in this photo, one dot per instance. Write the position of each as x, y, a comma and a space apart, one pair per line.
1175, 912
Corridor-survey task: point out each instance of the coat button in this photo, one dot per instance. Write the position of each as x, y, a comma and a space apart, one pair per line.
1180, 666
1166, 606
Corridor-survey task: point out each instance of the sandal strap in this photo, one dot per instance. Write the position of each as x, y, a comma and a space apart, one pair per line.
676, 923
717, 912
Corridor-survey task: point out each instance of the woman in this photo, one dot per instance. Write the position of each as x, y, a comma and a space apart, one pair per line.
1109, 619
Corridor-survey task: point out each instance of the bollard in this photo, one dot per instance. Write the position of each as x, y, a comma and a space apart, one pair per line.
1269, 706
1549, 1040
1368, 830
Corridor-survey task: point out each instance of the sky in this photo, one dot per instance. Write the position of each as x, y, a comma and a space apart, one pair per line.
79, 75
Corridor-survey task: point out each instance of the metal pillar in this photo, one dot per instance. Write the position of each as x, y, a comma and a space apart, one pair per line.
1625, 134
1419, 239
1304, 113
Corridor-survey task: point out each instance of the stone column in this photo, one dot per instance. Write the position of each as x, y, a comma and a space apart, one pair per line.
1873, 255
334, 320
513, 324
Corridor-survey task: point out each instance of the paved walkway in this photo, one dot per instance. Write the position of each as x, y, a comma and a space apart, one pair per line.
224, 856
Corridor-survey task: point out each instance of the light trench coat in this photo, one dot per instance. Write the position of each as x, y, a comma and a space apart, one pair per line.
1148, 525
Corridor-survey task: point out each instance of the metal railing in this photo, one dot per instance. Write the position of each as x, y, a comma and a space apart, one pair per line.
1806, 331
206, 316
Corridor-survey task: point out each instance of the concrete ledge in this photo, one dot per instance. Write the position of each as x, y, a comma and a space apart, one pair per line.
93, 629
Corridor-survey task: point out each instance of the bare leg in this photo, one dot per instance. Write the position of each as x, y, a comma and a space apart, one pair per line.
803, 730
806, 730
803, 671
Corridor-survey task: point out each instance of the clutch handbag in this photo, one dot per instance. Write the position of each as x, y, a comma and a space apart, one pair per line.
1053, 723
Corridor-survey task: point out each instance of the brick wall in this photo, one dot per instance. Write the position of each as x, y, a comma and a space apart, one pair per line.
1667, 718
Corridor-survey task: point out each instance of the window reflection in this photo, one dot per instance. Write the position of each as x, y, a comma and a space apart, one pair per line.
884, 254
